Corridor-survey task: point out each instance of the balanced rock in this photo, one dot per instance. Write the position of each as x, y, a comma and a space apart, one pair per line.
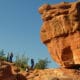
60, 32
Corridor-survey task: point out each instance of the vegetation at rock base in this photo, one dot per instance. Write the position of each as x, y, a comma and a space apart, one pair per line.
2, 55
21, 61
42, 63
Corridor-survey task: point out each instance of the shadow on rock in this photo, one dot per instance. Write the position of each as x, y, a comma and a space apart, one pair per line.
6, 73
20, 77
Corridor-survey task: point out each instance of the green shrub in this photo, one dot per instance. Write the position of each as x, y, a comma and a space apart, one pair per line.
42, 64
2, 55
21, 61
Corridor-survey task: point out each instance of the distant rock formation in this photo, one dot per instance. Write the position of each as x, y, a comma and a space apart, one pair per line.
60, 32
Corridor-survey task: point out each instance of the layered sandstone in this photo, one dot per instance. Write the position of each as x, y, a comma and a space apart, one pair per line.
60, 32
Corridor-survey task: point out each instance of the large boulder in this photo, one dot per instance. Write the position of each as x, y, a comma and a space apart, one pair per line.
60, 32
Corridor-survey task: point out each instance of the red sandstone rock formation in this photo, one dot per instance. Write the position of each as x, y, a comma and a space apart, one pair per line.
7, 73
60, 32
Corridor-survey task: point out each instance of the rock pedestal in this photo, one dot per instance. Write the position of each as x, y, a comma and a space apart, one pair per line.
60, 32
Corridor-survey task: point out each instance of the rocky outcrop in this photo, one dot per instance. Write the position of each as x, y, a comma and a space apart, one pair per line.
7, 72
60, 32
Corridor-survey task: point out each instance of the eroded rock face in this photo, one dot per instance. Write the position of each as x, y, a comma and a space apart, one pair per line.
60, 32
8, 71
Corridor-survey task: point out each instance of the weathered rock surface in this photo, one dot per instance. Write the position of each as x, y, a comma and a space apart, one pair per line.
7, 73
60, 32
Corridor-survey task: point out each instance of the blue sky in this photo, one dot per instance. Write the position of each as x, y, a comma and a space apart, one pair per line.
20, 25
